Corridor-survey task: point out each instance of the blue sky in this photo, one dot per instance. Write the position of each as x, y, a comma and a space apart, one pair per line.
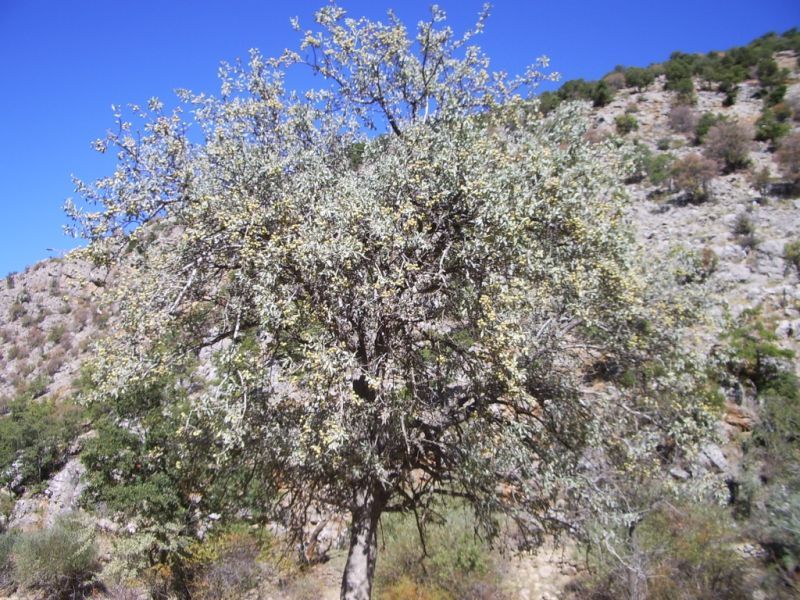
64, 62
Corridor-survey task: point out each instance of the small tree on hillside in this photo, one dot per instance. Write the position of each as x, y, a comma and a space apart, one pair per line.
639, 78
728, 143
692, 174
391, 318
682, 119
788, 156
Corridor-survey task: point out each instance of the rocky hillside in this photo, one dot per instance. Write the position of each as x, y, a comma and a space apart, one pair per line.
735, 226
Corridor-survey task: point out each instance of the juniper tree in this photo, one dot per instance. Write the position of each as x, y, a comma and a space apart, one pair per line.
395, 276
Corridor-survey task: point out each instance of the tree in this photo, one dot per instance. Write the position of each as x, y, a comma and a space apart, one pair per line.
692, 174
788, 156
639, 78
728, 143
387, 330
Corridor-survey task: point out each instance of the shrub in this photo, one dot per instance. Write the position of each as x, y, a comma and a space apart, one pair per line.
458, 563
225, 564
7, 540
675, 551
775, 95
55, 362
16, 311
728, 143
731, 90
35, 338
793, 103
684, 89
696, 267
658, 167
663, 144
771, 464
791, 254
782, 112
602, 94
35, 437
704, 123
56, 333
768, 73
788, 156
10, 281
745, 229
761, 180
769, 128
743, 225
59, 561
682, 119
692, 175
615, 80
626, 123
639, 78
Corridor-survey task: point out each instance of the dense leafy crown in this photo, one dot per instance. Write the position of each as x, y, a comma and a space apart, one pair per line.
395, 276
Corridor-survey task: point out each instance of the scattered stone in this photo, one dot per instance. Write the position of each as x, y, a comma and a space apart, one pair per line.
679, 473
711, 455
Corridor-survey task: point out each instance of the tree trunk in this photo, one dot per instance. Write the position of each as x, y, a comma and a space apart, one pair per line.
360, 567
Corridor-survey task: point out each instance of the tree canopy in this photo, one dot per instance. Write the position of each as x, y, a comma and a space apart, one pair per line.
395, 277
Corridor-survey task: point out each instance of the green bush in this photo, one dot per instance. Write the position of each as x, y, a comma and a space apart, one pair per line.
753, 344
658, 167
704, 123
639, 78
768, 497
458, 564
60, 561
626, 123
148, 462
684, 89
602, 94
769, 128
791, 254
768, 72
745, 230
743, 225
56, 333
34, 437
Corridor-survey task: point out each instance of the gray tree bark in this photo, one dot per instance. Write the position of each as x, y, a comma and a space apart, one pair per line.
360, 567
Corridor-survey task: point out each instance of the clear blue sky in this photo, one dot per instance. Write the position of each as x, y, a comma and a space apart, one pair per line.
64, 62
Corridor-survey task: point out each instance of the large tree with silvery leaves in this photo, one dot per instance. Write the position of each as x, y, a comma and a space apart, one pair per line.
395, 274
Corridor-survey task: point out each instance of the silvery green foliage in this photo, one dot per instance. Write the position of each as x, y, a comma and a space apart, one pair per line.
401, 315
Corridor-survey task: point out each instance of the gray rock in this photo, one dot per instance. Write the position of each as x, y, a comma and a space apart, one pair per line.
772, 247
679, 473
738, 273
711, 455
